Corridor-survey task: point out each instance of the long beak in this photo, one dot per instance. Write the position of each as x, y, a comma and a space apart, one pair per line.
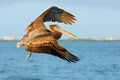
66, 32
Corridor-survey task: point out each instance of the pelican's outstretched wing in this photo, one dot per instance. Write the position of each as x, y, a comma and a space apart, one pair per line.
53, 14
56, 14
48, 45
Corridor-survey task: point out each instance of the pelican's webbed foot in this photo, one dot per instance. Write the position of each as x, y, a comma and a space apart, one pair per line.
28, 55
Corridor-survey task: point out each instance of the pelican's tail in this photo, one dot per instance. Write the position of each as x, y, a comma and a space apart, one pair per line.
65, 54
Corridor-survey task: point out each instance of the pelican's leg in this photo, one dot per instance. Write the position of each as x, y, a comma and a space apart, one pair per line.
28, 55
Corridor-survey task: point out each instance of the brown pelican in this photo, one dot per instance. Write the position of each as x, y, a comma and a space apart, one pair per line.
39, 39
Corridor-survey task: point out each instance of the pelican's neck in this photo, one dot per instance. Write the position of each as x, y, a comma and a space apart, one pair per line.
57, 35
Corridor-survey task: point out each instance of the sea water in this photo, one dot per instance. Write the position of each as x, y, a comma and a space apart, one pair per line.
98, 61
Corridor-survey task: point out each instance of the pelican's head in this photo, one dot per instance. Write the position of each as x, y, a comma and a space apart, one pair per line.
52, 27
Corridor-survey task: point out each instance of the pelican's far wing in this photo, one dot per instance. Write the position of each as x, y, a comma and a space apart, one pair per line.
56, 14
53, 14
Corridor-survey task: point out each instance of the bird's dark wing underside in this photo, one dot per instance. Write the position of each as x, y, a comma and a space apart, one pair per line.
53, 15
56, 14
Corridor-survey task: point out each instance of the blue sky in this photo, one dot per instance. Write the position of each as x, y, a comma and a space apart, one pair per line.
95, 18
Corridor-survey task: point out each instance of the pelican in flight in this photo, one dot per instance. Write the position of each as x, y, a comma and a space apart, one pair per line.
39, 39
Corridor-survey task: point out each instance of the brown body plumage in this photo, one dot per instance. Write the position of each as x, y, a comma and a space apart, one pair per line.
39, 39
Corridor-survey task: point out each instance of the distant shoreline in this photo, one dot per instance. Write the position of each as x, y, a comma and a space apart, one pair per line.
72, 40
91, 40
